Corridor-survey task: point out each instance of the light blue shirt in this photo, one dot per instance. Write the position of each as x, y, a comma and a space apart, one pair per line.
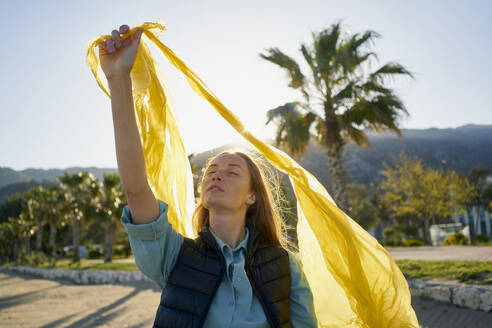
156, 247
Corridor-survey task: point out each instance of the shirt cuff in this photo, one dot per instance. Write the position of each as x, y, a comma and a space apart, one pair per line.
147, 231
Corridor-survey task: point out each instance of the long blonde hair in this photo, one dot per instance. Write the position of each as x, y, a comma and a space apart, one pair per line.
265, 214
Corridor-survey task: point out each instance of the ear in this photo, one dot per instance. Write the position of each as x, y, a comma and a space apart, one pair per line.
251, 199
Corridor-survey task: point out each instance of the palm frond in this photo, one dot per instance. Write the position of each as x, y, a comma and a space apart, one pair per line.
349, 56
389, 70
355, 134
308, 56
366, 39
297, 79
373, 86
345, 93
293, 127
379, 114
325, 46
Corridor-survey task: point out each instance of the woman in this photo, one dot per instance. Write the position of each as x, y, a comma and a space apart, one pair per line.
236, 273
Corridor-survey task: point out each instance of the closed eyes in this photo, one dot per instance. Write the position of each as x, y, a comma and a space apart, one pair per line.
230, 172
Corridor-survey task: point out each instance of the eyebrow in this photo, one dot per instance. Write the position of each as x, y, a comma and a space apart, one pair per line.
230, 164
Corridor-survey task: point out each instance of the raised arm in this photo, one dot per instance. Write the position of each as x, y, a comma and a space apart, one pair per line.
117, 57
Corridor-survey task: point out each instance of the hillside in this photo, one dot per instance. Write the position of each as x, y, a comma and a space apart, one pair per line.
458, 149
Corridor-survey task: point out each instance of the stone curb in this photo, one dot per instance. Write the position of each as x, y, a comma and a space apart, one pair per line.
474, 298
81, 277
464, 296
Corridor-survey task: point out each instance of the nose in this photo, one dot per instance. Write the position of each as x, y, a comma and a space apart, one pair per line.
217, 176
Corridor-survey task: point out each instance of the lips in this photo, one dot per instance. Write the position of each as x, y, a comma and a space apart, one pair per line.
215, 187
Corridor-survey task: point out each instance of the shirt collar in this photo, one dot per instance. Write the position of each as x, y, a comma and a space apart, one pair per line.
242, 245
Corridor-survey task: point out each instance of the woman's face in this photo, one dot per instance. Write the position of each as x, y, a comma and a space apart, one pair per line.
226, 184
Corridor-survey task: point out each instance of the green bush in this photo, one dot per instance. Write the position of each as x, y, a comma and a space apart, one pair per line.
94, 253
482, 238
391, 243
119, 251
392, 236
456, 238
32, 259
122, 250
413, 242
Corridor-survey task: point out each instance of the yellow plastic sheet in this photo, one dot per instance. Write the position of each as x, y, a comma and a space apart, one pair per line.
354, 280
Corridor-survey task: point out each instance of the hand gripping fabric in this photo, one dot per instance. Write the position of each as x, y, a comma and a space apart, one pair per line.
354, 280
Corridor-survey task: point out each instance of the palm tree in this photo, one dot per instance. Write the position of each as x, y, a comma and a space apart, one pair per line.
109, 209
33, 206
22, 229
340, 99
80, 191
57, 216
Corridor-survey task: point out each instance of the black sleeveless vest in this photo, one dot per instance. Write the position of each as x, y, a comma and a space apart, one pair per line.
200, 268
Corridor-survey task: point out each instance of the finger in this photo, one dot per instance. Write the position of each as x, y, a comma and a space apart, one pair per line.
124, 28
102, 48
116, 38
136, 38
125, 42
138, 35
110, 46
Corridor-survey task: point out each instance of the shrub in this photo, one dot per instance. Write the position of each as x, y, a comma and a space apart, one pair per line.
119, 251
413, 242
94, 253
482, 238
128, 250
456, 238
392, 236
32, 259
391, 243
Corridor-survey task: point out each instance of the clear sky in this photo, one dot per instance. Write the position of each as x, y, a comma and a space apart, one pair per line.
53, 115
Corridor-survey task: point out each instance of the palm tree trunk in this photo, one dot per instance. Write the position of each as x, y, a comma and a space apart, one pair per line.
39, 237
108, 241
76, 238
51, 243
338, 175
334, 150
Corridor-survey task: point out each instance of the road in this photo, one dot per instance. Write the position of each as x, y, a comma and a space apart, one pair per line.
442, 253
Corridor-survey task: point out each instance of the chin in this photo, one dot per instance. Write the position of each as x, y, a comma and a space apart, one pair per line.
216, 204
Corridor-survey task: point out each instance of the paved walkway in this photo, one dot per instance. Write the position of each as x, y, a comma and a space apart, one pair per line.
31, 302
443, 253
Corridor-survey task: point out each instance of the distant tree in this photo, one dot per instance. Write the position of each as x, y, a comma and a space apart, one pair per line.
109, 208
81, 191
36, 208
382, 211
422, 192
12, 207
57, 215
21, 229
478, 179
197, 171
8, 241
341, 99
361, 209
